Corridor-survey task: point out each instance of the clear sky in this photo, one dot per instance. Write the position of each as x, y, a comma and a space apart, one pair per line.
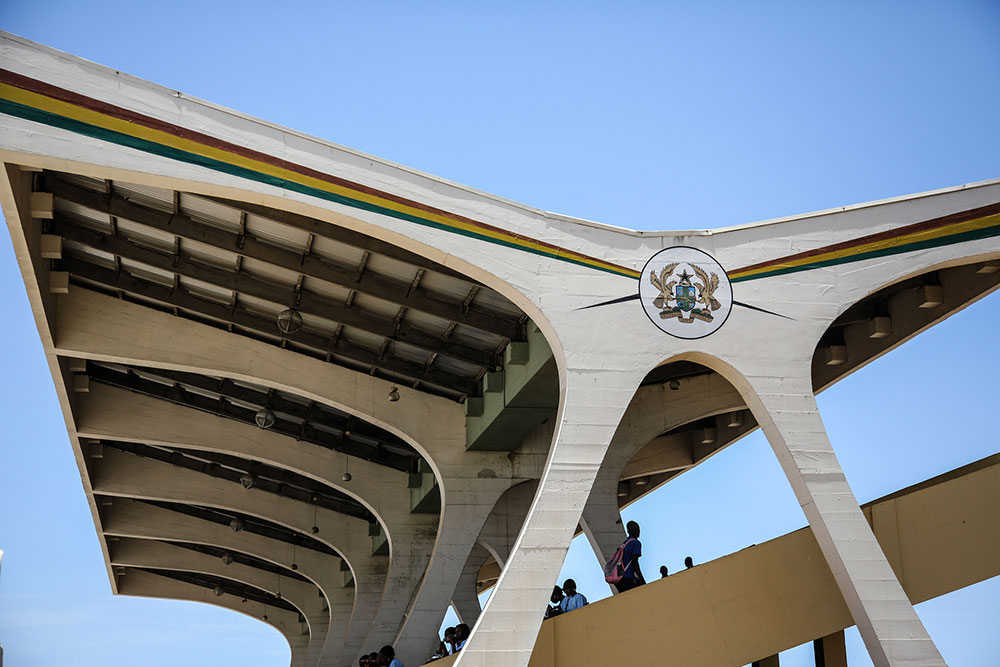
644, 115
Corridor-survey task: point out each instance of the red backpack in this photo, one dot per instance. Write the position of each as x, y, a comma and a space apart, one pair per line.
614, 571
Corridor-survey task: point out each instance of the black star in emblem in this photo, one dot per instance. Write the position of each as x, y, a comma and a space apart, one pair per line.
685, 276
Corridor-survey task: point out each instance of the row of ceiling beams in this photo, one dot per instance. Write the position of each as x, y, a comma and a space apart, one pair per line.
499, 327
352, 436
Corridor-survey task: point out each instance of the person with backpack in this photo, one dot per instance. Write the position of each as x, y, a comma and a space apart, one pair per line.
623, 569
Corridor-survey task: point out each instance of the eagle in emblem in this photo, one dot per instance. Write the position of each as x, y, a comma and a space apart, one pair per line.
679, 299
707, 287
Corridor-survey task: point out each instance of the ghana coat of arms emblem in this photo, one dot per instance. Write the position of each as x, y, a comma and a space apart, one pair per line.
685, 292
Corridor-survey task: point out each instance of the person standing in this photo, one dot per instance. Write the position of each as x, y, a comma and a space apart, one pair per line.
461, 636
632, 576
573, 600
556, 599
449, 640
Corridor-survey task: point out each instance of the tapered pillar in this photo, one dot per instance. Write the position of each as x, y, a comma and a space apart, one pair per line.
466, 599
893, 633
594, 403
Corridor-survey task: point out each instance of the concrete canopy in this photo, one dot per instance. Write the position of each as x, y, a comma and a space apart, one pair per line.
464, 357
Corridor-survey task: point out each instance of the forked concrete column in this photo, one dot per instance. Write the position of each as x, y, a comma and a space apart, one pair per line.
786, 411
466, 502
593, 404
466, 599
505, 521
654, 410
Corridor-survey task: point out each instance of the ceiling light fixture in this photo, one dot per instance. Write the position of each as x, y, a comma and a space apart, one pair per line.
247, 480
393, 394
236, 525
217, 590
264, 418
227, 558
289, 321
675, 384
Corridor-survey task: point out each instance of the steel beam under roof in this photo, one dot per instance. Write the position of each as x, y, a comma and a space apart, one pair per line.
265, 477
300, 419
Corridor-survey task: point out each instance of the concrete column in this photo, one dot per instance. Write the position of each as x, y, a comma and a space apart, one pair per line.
893, 633
831, 651
466, 598
653, 411
593, 404
506, 519
465, 505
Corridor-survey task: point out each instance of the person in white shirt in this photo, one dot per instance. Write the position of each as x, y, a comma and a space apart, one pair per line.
573, 600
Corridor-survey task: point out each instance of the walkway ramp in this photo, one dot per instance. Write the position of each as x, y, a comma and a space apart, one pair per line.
940, 535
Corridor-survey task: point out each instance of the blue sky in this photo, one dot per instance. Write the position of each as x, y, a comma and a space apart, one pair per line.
644, 115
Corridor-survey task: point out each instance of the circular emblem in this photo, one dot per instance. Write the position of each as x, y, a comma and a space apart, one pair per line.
685, 292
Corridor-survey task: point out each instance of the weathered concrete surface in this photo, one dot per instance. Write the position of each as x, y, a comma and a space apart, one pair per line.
554, 269
939, 536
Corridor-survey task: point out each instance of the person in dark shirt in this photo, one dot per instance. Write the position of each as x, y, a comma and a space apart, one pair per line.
449, 640
555, 608
689, 562
462, 633
387, 657
632, 552
663, 572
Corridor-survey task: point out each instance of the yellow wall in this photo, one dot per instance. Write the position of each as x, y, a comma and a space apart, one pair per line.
939, 536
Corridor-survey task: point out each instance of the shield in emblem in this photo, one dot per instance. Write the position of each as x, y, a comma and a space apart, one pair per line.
686, 295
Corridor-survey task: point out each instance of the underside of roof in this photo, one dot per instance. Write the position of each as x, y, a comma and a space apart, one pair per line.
348, 299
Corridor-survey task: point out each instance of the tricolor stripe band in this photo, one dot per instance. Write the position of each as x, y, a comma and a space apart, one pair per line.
40, 102
43, 103
970, 225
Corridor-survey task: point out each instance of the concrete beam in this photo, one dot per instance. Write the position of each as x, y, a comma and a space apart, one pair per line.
144, 584
515, 399
409, 538
152, 554
133, 519
120, 474
98, 327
